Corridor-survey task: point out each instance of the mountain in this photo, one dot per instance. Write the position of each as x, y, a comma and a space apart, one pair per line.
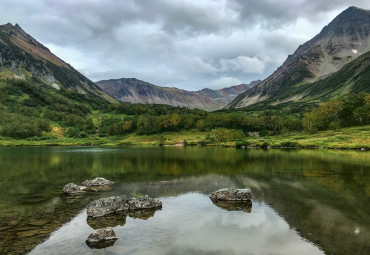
40, 94
22, 56
353, 77
346, 38
137, 91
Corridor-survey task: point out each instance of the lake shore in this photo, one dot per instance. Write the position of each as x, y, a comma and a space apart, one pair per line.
355, 138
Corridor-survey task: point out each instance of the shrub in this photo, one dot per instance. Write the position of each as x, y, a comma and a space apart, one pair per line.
242, 143
265, 145
289, 144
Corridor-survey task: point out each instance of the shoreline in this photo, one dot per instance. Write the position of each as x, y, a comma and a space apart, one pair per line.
183, 146
354, 138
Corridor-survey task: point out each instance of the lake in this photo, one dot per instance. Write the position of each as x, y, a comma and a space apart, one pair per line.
304, 201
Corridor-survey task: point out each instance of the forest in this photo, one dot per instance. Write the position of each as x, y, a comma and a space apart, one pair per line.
30, 110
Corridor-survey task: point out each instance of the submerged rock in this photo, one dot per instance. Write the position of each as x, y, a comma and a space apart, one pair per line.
101, 238
73, 189
244, 206
105, 206
111, 220
231, 195
98, 182
144, 202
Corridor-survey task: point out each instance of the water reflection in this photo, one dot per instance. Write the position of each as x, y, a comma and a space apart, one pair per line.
234, 205
111, 220
322, 197
191, 224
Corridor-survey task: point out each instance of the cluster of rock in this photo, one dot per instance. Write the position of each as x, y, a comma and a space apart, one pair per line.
95, 184
233, 199
105, 213
142, 206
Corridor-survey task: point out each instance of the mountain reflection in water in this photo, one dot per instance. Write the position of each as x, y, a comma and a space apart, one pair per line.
306, 202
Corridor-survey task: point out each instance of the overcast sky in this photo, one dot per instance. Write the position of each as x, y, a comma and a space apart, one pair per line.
189, 44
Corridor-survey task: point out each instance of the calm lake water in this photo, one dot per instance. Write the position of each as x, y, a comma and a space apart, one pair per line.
304, 201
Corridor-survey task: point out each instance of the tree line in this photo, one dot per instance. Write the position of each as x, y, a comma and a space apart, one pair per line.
29, 109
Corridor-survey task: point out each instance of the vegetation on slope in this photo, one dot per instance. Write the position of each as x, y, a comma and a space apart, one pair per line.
40, 115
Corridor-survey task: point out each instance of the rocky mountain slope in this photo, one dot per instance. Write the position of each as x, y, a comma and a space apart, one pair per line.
346, 38
22, 57
352, 78
137, 91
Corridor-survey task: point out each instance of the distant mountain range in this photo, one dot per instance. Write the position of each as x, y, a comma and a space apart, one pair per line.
303, 76
136, 91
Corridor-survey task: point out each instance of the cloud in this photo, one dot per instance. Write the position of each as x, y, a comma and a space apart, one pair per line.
242, 63
224, 82
185, 43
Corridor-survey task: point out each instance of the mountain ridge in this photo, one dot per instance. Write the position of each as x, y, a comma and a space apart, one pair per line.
137, 91
21, 55
341, 41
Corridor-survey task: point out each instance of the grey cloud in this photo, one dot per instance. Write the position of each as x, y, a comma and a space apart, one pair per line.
185, 43
272, 13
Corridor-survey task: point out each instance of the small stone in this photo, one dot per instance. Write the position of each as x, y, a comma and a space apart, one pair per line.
101, 238
28, 233
98, 182
37, 222
73, 189
231, 195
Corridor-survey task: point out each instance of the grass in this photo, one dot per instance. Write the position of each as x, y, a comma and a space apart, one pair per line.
346, 138
170, 138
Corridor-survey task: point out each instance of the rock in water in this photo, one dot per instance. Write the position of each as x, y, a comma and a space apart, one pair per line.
143, 202
104, 206
98, 182
231, 195
101, 238
73, 189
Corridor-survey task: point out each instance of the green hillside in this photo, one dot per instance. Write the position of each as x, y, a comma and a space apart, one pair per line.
352, 78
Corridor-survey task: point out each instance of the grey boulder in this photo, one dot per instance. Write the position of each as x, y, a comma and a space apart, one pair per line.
105, 206
97, 182
101, 238
231, 195
108, 205
73, 189
144, 202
